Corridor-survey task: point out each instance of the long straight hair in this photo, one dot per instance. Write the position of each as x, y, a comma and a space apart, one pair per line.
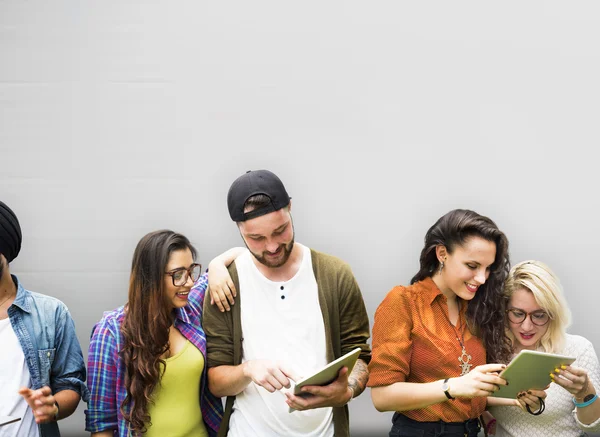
485, 312
146, 323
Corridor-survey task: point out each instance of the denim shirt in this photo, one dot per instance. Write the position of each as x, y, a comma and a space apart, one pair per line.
46, 333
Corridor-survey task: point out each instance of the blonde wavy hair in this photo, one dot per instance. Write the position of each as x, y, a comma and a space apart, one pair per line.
536, 277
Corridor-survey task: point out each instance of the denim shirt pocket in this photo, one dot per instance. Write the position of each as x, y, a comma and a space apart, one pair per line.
46, 358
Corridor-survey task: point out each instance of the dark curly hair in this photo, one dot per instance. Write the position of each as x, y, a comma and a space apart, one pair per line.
146, 324
485, 312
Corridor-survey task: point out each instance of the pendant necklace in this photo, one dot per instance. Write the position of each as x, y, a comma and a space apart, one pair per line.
464, 358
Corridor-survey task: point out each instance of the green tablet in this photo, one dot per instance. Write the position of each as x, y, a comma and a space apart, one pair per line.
529, 370
327, 374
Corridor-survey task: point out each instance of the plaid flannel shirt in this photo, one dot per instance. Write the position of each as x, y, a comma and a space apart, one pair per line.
106, 370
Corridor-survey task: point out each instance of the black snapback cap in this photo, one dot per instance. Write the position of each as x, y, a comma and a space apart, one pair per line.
250, 184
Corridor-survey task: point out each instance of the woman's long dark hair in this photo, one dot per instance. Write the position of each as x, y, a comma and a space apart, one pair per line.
485, 312
146, 323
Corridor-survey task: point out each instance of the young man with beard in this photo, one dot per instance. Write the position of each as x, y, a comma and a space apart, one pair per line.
297, 309
42, 372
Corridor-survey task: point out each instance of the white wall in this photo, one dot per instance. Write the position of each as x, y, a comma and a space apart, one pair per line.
118, 118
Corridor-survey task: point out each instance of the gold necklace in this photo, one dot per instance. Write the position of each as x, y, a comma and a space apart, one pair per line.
464, 358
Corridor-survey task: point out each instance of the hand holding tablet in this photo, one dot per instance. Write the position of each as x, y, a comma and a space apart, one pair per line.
530, 370
328, 374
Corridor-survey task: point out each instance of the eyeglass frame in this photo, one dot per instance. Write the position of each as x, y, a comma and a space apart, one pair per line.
528, 315
188, 271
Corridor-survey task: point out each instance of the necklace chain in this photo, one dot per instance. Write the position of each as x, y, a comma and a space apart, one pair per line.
464, 358
4, 301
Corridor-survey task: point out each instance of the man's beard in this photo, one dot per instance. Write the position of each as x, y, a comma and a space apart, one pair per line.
264, 260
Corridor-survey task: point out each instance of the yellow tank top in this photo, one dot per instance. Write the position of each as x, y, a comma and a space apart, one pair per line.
176, 408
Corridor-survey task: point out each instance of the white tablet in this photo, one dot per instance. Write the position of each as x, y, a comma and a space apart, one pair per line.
5, 420
530, 370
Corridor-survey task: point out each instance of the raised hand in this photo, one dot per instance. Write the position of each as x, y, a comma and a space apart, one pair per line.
41, 402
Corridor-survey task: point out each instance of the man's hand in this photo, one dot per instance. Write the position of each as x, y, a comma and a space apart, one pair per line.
271, 375
41, 402
335, 394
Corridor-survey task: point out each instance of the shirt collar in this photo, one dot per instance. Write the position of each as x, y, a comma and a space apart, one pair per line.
431, 292
21, 300
182, 315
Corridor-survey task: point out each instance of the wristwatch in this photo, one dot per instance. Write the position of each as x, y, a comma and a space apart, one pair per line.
588, 398
446, 388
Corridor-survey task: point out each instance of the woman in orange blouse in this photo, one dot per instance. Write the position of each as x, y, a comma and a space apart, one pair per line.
430, 338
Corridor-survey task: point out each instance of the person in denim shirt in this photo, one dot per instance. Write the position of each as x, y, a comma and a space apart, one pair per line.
42, 372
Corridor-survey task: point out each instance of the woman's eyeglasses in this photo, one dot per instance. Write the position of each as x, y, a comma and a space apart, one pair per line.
180, 276
517, 316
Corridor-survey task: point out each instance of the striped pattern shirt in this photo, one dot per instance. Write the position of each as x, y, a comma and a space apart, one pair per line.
106, 370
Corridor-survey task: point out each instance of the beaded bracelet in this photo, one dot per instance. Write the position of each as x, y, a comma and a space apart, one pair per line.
586, 403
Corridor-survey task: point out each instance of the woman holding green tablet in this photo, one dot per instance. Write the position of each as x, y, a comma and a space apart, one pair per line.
537, 318
430, 338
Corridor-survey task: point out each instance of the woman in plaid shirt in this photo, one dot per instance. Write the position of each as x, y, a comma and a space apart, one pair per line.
146, 359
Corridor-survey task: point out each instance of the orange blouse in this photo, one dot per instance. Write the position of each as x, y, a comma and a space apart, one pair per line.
414, 341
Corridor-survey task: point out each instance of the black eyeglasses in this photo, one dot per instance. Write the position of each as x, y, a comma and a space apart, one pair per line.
518, 316
180, 275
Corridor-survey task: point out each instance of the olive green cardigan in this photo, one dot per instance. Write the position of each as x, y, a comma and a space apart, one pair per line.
344, 315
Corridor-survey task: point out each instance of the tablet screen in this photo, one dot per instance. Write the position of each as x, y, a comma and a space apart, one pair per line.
330, 372
530, 370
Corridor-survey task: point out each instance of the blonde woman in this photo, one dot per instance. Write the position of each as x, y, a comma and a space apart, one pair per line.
537, 318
